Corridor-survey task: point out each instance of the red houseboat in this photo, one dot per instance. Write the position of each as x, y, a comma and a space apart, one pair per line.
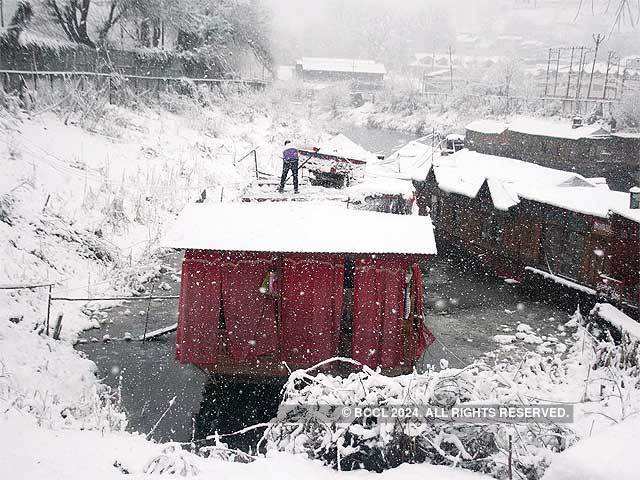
271, 287
524, 220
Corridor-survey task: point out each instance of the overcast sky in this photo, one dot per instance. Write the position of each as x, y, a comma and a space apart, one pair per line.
391, 29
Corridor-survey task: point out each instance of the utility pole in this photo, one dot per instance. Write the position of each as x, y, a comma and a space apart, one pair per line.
2, 13
546, 81
598, 39
555, 81
573, 49
606, 76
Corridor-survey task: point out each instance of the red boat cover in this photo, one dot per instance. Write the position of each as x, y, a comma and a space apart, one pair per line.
382, 336
211, 283
249, 313
197, 338
311, 307
229, 304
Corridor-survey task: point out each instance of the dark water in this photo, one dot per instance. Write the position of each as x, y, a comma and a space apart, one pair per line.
465, 310
378, 141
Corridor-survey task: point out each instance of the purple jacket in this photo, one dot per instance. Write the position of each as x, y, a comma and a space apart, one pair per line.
290, 155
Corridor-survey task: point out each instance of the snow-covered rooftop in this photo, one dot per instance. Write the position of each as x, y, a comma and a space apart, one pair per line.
295, 227
341, 65
539, 127
344, 147
412, 158
511, 180
487, 126
551, 128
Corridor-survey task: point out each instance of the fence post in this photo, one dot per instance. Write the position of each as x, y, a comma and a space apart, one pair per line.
255, 161
48, 309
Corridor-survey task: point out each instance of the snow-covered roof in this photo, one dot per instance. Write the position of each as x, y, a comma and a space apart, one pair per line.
341, 65
296, 227
487, 126
539, 127
510, 180
550, 128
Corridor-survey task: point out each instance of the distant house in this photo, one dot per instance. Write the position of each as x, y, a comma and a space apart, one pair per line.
363, 74
591, 150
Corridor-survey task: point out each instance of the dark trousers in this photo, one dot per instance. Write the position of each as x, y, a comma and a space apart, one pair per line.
286, 166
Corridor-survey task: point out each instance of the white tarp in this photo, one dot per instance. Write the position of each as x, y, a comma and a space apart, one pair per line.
343, 147
297, 227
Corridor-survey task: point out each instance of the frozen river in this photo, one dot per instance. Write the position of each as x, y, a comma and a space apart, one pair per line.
465, 310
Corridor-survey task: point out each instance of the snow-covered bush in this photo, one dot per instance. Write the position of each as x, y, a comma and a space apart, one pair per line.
174, 461
309, 420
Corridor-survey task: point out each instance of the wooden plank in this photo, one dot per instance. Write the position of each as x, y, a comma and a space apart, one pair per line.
159, 332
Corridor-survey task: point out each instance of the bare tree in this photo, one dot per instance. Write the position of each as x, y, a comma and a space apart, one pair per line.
218, 25
624, 12
72, 16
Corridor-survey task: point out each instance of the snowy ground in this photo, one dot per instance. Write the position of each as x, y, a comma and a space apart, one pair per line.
84, 197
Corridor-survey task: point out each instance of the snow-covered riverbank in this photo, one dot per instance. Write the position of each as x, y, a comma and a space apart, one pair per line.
83, 205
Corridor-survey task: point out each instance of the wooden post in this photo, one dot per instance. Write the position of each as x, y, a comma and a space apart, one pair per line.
255, 161
546, 80
598, 40
58, 328
146, 322
617, 82
555, 81
48, 309
573, 49
510, 458
450, 69
606, 76
579, 83
35, 71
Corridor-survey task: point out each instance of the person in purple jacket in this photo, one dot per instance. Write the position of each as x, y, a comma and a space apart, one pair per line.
289, 162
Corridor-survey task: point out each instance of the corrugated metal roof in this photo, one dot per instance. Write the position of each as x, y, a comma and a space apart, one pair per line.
341, 65
294, 227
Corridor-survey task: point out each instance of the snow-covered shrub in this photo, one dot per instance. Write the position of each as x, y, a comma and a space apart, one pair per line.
173, 460
344, 443
220, 451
